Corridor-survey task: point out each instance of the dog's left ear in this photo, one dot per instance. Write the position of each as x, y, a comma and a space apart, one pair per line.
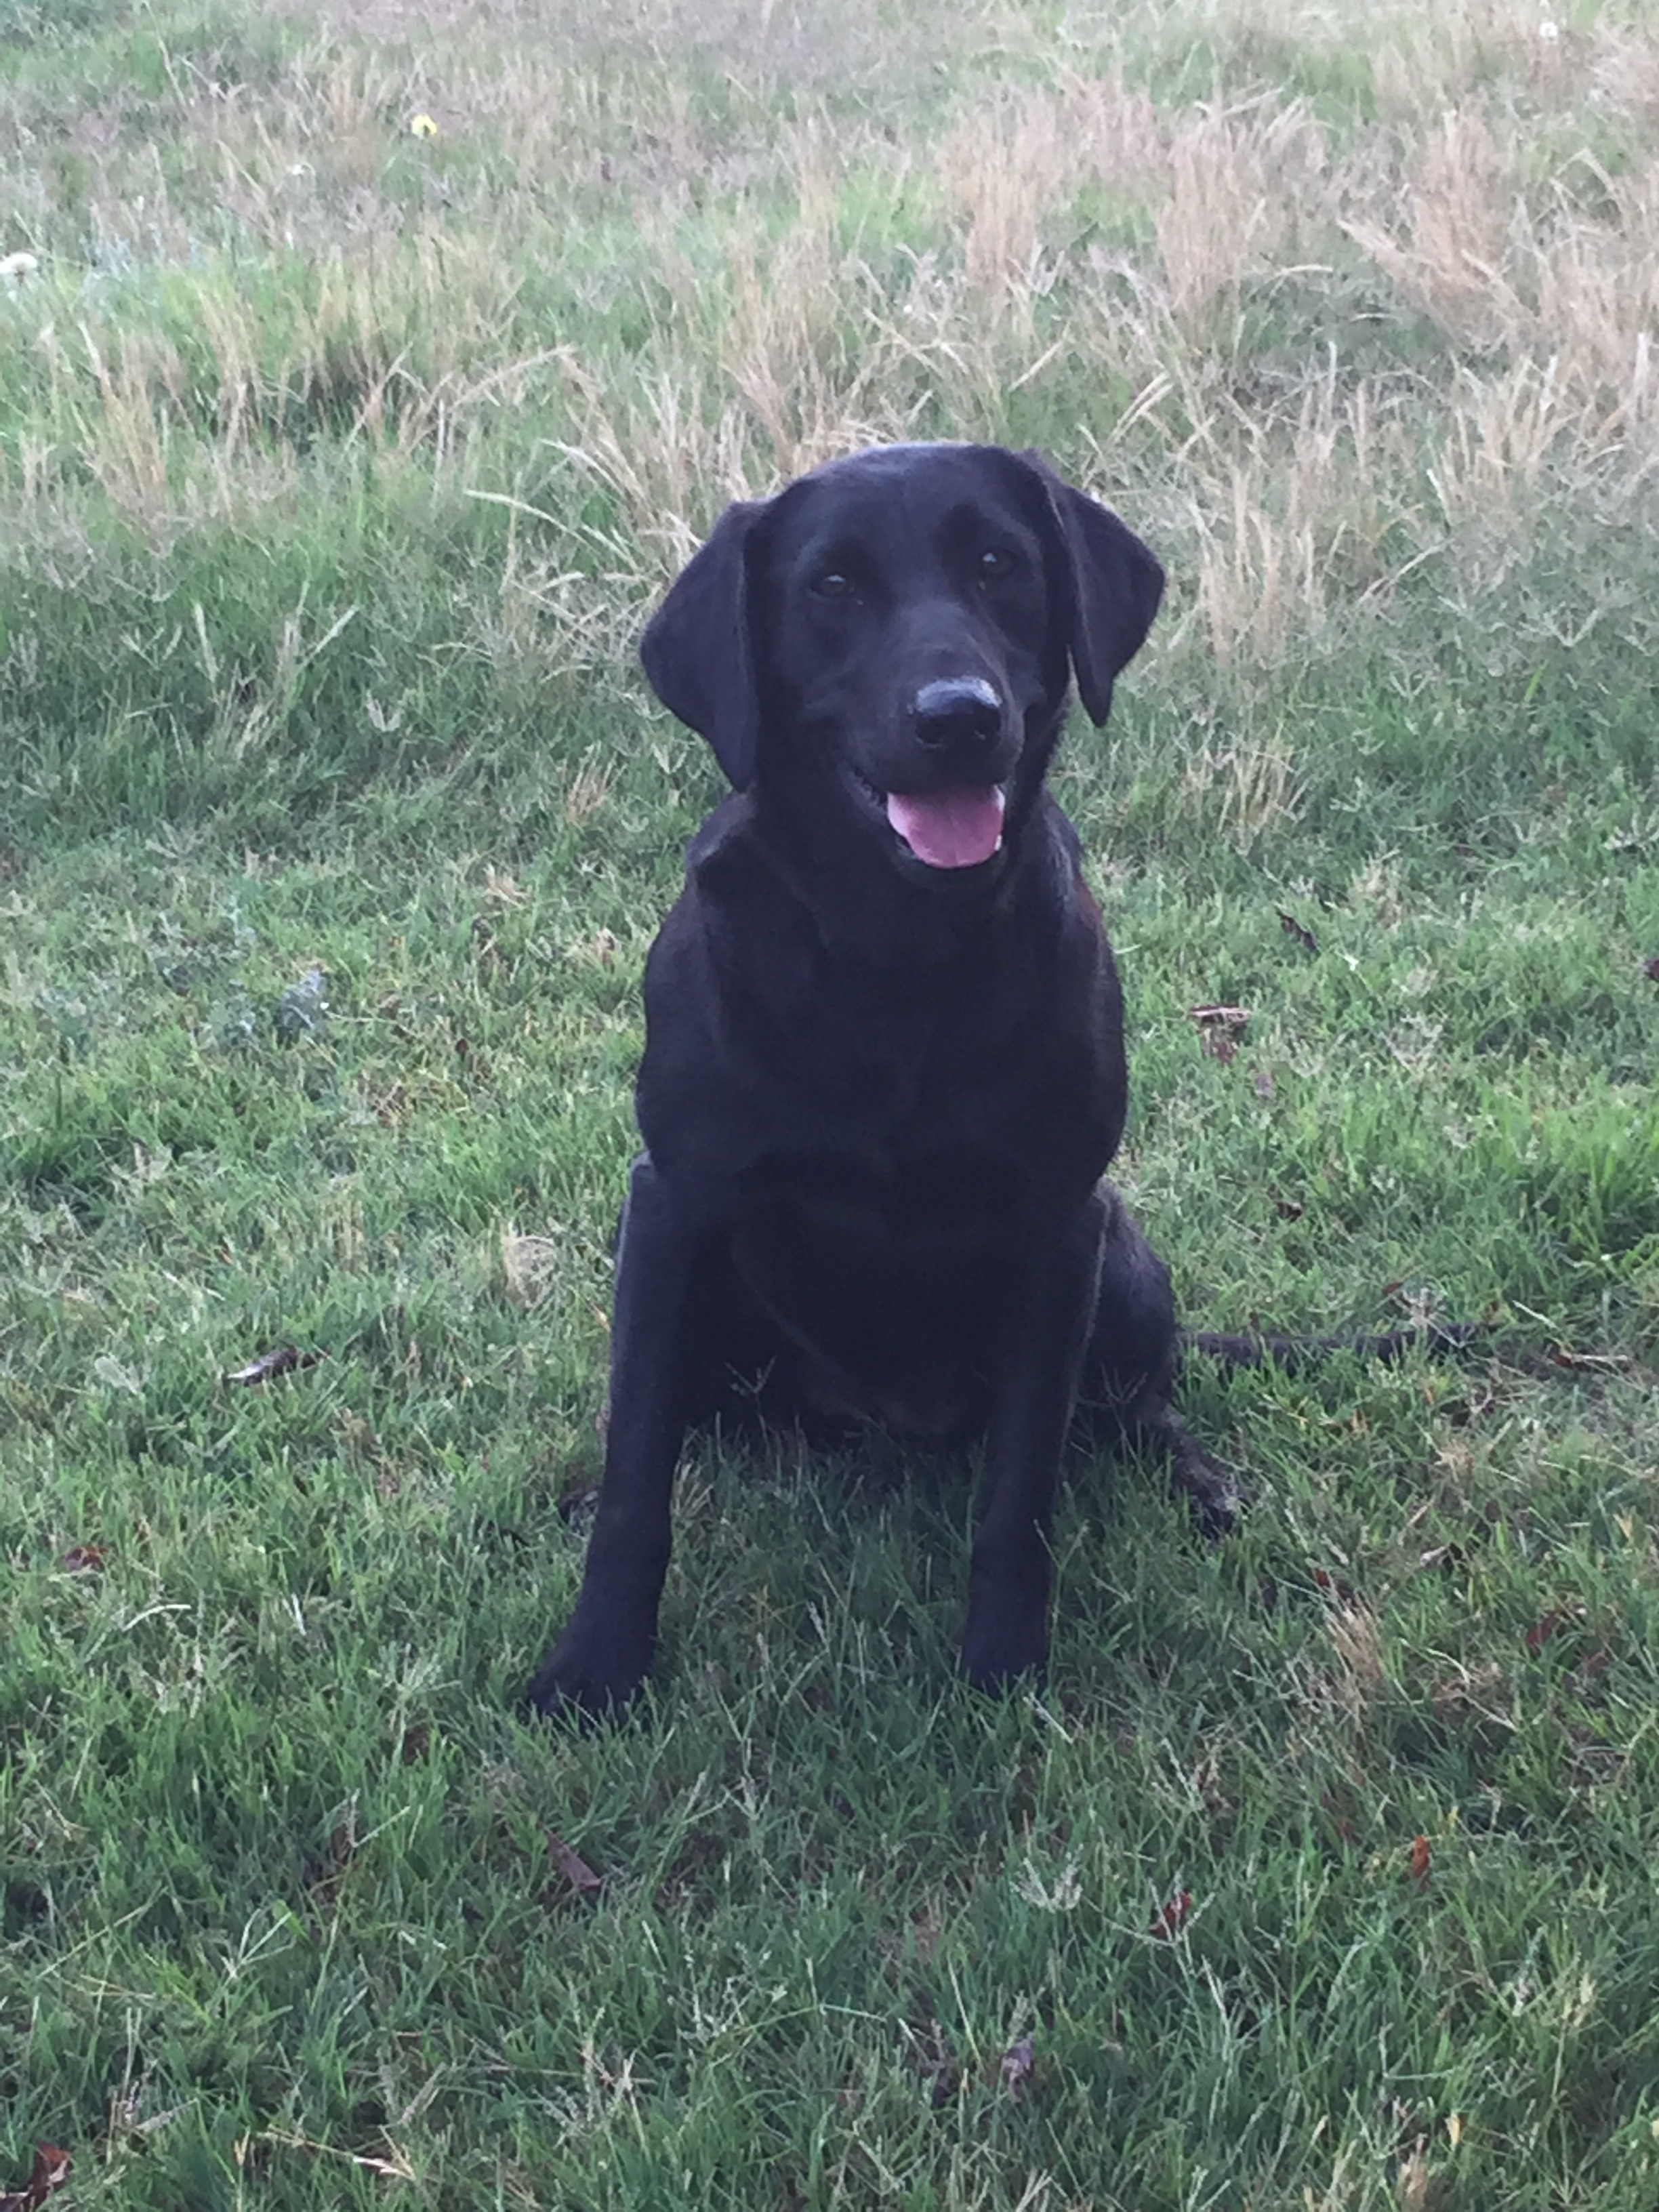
1115, 584
695, 649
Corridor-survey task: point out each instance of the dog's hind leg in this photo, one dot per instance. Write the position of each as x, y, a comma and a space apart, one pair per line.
1211, 1489
1134, 1350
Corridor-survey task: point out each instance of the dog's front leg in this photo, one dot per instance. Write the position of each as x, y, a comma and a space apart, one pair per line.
1007, 1631
606, 1652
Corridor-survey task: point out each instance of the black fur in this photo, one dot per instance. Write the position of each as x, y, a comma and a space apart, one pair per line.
881, 1087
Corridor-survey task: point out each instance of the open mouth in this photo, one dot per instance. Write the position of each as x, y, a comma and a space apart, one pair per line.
959, 826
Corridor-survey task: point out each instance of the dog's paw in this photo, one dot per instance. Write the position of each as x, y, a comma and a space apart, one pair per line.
584, 1680
1001, 1654
1213, 1491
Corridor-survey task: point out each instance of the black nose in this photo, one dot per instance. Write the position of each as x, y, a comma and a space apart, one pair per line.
956, 711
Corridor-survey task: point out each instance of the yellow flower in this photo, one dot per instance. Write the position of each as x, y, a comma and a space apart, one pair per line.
422, 126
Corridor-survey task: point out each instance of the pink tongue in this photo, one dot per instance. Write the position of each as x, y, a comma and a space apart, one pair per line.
949, 828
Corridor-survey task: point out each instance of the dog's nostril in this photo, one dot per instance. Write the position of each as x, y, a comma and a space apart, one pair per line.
956, 711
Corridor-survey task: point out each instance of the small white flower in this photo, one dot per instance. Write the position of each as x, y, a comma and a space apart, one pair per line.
1549, 30
14, 267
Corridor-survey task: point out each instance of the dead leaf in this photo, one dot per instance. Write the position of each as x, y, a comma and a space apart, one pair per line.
1291, 928
1419, 1860
51, 2171
1219, 1029
283, 1360
1414, 2193
502, 889
1018, 2063
359, 1438
530, 1266
1651, 969
1541, 1630
575, 1870
576, 1508
83, 1559
1341, 1821
1168, 1921
324, 1875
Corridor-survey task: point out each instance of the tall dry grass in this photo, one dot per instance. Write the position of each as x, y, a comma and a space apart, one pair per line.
1316, 344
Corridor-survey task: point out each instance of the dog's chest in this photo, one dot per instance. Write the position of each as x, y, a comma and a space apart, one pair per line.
890, 1274
907, 1070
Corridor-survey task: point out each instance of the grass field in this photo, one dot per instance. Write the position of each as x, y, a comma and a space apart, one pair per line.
339, 461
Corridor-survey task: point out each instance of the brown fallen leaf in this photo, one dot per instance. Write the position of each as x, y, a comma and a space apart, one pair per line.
1291, 928
1341, 1821
1541, 1630
1419, 1860
83, 1559
270, 1365
1651, 969
324, 1873
1219, 1029
1169, 1919
577, 1507
1019, 2064
1413, 2184
51, 2171
574, 1868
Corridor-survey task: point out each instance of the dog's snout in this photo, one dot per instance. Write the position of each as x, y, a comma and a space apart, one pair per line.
957, 712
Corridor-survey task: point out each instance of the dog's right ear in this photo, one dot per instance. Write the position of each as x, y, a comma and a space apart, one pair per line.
697, 650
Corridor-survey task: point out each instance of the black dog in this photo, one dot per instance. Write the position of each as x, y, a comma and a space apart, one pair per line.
885, 1071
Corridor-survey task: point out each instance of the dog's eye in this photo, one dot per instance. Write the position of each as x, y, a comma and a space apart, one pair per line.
832, 585
995, 563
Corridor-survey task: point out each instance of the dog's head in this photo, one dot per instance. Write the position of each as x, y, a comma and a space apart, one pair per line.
893, 638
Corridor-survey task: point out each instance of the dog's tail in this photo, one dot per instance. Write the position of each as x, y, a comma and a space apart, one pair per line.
1439, 1339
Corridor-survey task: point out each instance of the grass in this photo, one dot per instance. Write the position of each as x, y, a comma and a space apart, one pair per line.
338, 467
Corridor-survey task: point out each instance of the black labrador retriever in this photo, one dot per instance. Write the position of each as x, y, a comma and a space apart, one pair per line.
884, 1073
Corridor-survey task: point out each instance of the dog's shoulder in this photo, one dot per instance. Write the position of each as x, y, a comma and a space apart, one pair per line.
732, 926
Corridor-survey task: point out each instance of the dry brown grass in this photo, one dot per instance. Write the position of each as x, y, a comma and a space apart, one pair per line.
816, 285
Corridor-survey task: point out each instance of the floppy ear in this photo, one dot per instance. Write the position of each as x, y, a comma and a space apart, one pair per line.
1114, 582
695, 649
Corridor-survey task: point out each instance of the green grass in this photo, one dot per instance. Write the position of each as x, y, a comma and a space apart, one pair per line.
338, 467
